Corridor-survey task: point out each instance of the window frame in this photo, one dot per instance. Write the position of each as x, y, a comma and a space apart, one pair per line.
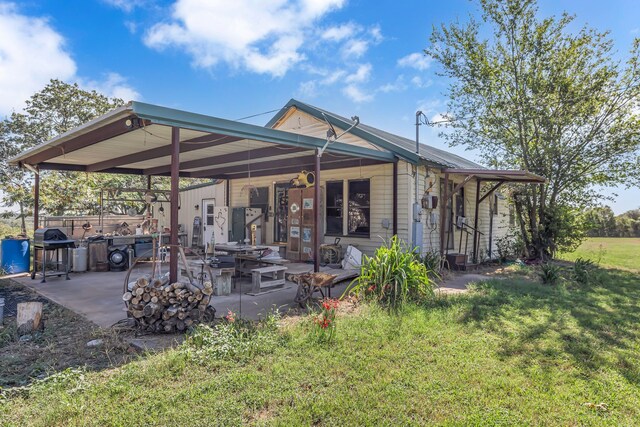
339, 233
368, 208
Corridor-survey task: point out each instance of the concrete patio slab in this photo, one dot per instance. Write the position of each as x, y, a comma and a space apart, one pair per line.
98, 296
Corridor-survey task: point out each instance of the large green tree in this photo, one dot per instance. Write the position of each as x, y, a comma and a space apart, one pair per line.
529, 93
56, 109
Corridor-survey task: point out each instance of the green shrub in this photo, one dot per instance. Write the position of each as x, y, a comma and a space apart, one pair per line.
582, 271
233, 339
549, 273
433, 262
393, 276
509, 246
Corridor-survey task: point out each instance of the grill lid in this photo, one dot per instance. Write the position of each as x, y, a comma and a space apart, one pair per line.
49, 235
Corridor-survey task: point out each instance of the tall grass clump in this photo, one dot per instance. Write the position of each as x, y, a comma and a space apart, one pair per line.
393, 276
549, 274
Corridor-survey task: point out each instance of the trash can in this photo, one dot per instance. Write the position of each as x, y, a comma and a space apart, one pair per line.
80, 259
16, 257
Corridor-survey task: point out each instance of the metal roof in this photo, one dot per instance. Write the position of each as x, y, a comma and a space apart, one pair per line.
136, 139
401, 146
499, 175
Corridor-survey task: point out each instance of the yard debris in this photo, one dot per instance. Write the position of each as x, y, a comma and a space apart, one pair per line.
598, 407
158, 306
95, 343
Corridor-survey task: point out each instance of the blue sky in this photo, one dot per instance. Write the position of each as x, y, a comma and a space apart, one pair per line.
236, 58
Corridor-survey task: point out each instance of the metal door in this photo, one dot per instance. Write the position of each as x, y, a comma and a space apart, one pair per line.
208, 212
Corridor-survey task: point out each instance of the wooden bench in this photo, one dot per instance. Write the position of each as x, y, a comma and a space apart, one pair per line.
275, 278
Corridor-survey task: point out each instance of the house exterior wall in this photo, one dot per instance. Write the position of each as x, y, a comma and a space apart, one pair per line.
189, 199
382, 195
381, 201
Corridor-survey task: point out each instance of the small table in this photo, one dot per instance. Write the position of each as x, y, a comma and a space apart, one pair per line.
248, 262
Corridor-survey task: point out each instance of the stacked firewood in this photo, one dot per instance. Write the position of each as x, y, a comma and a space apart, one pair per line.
160, 306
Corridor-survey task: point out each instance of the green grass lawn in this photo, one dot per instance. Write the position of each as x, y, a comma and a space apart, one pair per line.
612, 252
511, 352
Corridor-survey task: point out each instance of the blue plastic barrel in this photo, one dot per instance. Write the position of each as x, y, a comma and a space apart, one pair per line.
15, 256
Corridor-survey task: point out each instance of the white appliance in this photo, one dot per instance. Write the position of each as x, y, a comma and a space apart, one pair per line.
216, 224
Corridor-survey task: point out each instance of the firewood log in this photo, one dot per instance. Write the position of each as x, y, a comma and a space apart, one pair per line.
139, 291
146, 297
154, 299
127, 296
135, 300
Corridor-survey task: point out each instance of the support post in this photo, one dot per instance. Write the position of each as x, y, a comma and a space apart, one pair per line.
148, 182
475, 223
444, 213
175, 182
395, 198
36, 201
316, 214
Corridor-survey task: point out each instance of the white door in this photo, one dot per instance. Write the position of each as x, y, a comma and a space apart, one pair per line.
208, 220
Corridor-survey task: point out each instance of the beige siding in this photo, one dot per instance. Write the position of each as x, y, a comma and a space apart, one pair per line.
381, 178
189, 199
302, 123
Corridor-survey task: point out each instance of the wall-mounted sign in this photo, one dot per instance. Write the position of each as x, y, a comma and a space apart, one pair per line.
307, 203
294, 207
294, 232
306, 235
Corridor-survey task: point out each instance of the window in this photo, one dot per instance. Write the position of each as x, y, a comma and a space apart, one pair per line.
334, 207
495, 204
359, 208
459, 205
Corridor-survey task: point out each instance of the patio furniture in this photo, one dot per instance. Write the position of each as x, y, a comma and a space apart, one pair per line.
310, 283
274, 278
248, 262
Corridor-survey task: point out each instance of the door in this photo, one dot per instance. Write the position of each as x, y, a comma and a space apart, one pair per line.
208, 210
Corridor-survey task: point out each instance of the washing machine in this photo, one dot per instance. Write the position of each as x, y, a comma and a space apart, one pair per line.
118, 257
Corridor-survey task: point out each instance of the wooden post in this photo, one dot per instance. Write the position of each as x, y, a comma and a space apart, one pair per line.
29, 317
36, 201
175, 182
475, 223
395, 198
316, 214
444, 213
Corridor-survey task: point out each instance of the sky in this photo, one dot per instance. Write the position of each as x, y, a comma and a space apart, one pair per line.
239, 58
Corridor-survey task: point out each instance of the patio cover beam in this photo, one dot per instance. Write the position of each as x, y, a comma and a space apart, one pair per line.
87, 139
273, 166
295, 168
259, 153
83, 168
205, 141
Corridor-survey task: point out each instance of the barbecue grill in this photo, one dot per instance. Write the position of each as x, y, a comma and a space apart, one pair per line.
51, 240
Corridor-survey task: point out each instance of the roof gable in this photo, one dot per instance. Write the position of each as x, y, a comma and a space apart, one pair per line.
400, 146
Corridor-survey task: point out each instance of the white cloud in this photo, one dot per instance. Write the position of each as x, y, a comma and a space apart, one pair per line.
31, 53
355, 48
114, 86
361, 75
418, 61
340, 32
263, 36
357, 94
397, 86
126, 5
419, 83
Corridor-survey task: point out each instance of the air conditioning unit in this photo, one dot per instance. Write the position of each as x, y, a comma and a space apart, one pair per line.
461, 221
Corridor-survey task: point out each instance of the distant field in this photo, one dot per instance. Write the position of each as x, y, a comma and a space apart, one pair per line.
614, 252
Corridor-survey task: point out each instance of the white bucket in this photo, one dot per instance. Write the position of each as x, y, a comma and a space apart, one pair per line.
80, 259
